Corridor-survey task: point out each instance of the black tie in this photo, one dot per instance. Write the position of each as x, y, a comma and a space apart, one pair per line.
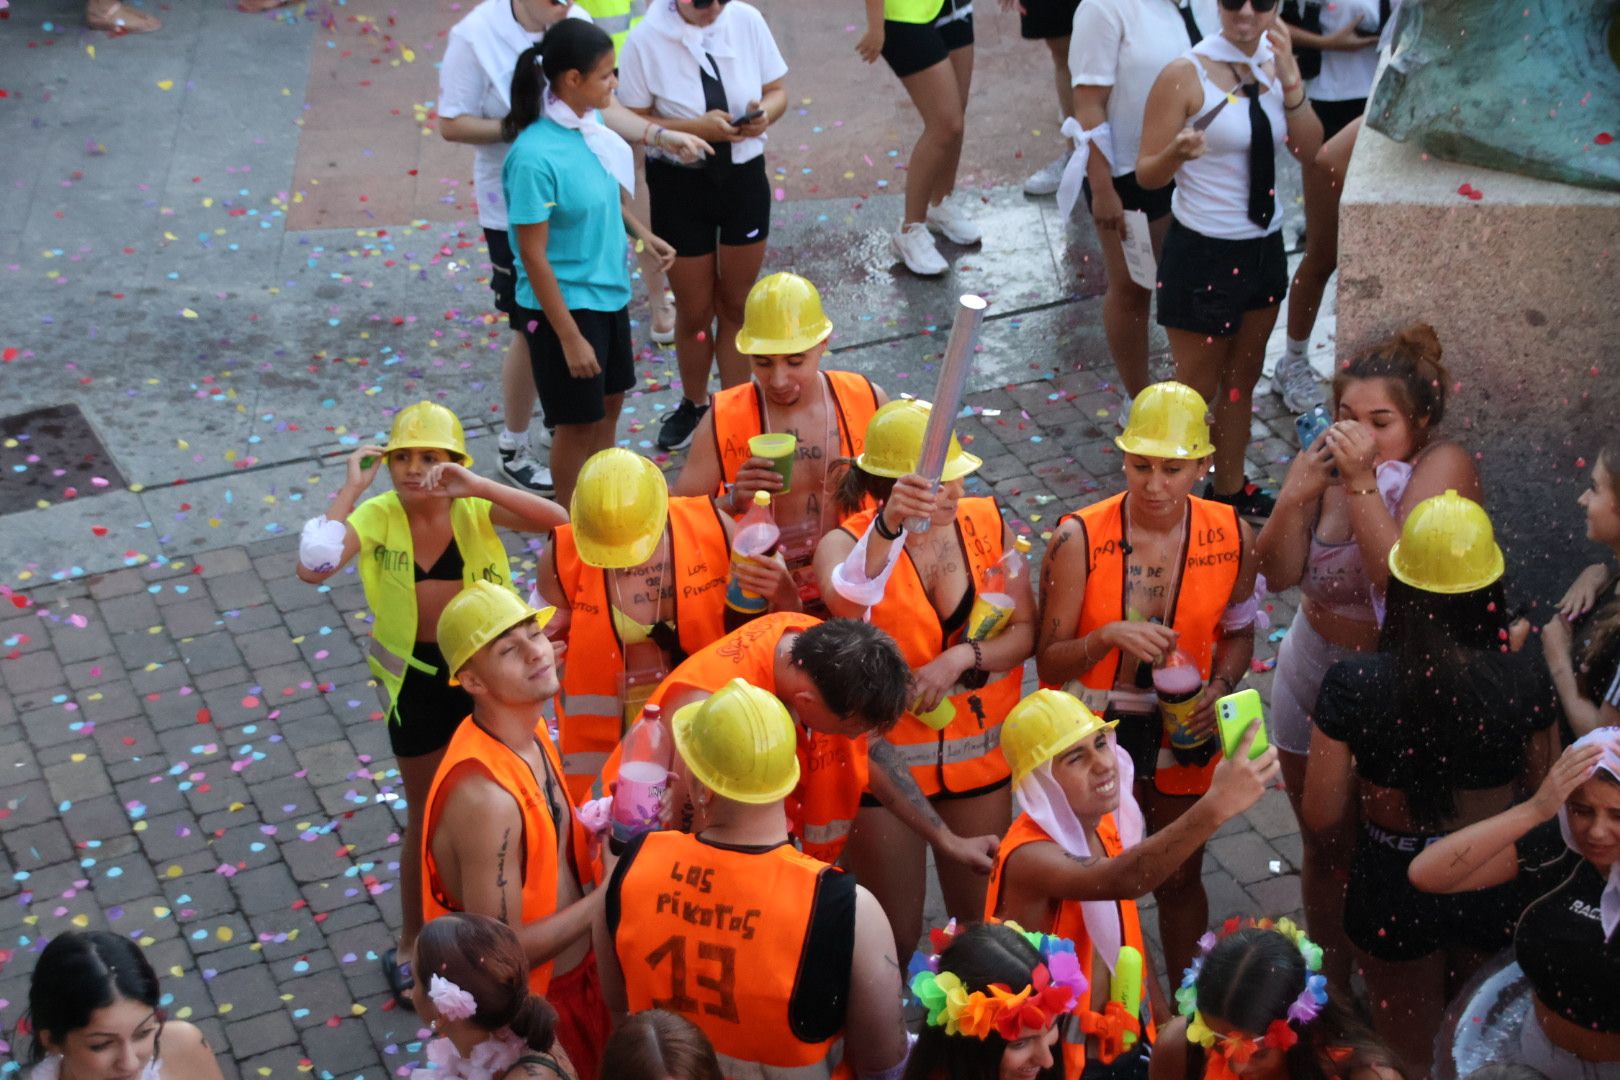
1194, 35
714, 97
1262, 161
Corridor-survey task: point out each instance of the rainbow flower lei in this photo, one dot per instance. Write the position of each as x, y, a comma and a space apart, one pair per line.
1280, 1034
1055, 986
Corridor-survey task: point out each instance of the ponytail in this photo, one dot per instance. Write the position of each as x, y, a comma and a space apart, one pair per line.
853, 486
570, 45
535, 1022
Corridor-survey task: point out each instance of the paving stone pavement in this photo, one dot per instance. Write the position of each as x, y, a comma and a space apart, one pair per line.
194, 757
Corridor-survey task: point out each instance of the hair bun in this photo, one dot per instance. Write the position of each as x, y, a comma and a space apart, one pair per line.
535, 1022
1421, 341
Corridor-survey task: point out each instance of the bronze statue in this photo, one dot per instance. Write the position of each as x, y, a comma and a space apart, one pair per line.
1526, 86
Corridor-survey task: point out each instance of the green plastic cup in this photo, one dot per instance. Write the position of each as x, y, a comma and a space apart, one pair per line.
780, 449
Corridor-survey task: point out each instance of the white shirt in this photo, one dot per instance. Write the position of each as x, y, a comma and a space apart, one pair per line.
659, 70
475, 79
1346, 76
1124, 44
1212, 191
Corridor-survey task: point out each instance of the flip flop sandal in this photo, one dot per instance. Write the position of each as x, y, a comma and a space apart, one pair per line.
399, 978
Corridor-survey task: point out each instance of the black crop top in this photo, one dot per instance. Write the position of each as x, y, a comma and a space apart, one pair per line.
1559, 939
448, 568
1483, 746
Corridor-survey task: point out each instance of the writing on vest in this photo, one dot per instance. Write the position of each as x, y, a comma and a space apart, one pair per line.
739, 415
704, 912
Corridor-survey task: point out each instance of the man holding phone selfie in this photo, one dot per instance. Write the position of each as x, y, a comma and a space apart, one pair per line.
709, 68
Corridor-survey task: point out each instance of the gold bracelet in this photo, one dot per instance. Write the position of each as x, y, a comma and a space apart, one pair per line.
1363, 491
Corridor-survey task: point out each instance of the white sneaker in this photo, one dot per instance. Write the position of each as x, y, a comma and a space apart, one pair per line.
1296, 383
519, 468
949, 219
914, 246
1045, 181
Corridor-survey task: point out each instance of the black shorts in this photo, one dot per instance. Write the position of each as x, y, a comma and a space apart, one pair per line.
1154, 202
502, 274
1336, 115
1388, 919
693, 209
1039, 20
913, 47
1206, 285
429, 708
563, 398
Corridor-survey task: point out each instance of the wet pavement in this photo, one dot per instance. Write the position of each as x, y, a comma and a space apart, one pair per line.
235, 247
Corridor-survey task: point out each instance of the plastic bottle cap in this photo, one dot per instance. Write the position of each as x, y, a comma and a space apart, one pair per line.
762, 498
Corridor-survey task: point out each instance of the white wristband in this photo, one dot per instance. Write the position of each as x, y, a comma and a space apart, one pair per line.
320, 546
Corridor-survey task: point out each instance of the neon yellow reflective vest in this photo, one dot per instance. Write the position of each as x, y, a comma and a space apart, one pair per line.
387, 565
909, 11
615, 16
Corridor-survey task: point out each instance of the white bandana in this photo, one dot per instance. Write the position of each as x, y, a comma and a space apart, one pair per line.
700, 41
1102, 138
613, 152
1218, 48
1043, 800
1609, 739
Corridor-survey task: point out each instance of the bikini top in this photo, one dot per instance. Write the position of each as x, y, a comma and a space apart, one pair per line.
448, 568
634, 632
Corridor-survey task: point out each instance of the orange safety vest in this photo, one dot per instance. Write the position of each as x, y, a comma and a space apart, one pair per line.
590, 707
832, 768
966, 755
739, 415
1067, 921
718, 936
472, 744
1213, 555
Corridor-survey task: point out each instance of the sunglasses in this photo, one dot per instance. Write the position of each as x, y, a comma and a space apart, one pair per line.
1260, 6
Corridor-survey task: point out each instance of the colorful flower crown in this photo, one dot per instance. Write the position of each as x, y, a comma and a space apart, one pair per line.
1055, 985
1280, 1034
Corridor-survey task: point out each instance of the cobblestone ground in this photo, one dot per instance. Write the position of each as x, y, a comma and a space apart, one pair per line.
193, 757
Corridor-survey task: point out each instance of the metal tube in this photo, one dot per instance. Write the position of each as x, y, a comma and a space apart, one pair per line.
953, 376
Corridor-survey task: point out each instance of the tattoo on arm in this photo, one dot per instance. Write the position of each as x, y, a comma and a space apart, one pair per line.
1461, 858
885, 757
500, 871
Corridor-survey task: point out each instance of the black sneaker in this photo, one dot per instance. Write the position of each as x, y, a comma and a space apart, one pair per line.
520, 468
1249, 500
675, 433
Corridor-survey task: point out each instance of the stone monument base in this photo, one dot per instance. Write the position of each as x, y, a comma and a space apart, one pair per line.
1519, 277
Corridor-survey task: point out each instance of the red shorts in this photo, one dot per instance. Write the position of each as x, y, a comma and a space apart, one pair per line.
583, 1024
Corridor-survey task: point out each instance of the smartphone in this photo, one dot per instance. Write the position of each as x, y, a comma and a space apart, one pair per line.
366, 460
747, 118
1310, 426
1234, 713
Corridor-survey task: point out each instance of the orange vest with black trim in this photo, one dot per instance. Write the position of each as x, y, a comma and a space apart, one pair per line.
590, 708
739, 415
473, 745
717, 936
832, 768
1213, 554
966, 755
1066, 920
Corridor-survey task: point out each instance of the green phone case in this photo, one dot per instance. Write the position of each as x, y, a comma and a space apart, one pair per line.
1234, 713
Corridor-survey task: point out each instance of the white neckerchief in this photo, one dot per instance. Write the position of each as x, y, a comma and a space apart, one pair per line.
1043, 800
489, 1059
1074, 173
613, 152
700, 42
497, 38
1218, 48
1609, 739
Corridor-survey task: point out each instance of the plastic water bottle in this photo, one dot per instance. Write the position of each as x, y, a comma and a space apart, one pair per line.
638, 796
999, 575
1178, 682
757, 537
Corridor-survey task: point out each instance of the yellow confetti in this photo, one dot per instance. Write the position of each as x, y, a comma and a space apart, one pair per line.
81, 921
76, 758
357, 1009
225, 1008
188, 313
165, 84
409, 55
224, 933
91, 49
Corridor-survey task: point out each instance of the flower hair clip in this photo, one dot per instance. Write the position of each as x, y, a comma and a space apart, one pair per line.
449, 1000
1055, 985
1280, 1034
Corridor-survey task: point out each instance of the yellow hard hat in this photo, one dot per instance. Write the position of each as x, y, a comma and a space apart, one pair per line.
429, 426
1447, 546
1167, 421
894, 439
620, 505
740, 742
476, 616
783, 316
1042, 726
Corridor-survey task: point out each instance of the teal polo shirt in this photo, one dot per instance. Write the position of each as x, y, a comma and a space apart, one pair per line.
551, 175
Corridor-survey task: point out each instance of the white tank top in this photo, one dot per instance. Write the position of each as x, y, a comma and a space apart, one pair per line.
1212, 192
